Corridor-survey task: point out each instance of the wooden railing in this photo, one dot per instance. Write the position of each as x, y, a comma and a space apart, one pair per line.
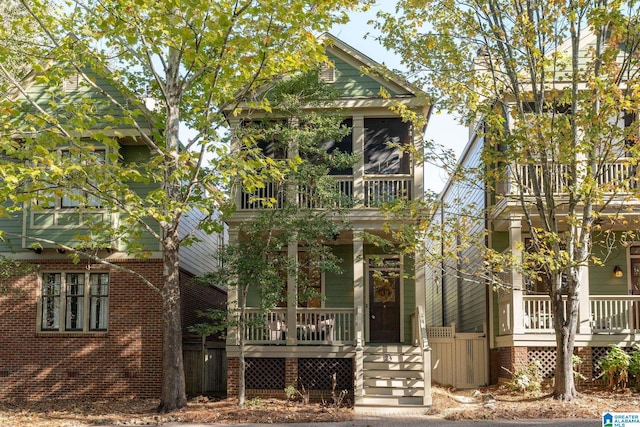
379, 189
608, 314
611, 175
376, 189
537, 313
319, 326
613, 314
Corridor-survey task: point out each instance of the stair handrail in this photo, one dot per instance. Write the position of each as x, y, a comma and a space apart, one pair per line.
423, 340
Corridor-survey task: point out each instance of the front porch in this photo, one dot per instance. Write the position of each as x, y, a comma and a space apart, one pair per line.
608, 319
323, 350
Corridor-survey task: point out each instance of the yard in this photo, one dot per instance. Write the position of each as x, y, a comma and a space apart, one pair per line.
487, 403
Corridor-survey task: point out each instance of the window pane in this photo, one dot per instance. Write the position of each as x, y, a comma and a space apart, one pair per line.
99, 301
50, 301
75, 301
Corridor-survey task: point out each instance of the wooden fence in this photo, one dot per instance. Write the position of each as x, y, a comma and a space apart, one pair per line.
205, 368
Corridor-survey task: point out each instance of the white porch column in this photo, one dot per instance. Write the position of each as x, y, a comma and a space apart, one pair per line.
234, 124
358, 151
232, 298
517, 282
292, 294
360, 312
584, 309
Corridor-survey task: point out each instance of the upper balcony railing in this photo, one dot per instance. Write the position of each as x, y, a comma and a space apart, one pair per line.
376, 189
611, 176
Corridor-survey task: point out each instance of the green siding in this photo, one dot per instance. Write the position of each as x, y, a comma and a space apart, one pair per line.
409, 296
339, 287
601, 280
352, 84
500, 240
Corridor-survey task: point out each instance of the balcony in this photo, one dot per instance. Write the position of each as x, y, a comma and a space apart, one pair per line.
611, 176
373, 189
312, 326
608, 314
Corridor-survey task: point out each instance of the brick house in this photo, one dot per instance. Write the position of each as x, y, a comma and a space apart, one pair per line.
83, 329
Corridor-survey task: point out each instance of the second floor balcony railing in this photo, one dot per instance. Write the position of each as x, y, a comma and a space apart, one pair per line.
343, 192
611, 176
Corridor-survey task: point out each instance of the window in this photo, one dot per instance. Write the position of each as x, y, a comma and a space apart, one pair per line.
67, 204
64, 305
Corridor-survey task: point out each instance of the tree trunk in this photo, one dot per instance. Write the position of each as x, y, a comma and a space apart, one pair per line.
173, 385
565, 324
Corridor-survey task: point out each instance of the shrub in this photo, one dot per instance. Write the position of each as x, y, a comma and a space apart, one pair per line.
526, 379
615, 367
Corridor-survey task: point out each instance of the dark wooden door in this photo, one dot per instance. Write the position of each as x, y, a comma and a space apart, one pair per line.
384, 306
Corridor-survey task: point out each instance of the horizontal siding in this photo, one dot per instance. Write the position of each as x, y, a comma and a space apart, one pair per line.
464, 299
350, 82
339, 287
200, 257
409, 287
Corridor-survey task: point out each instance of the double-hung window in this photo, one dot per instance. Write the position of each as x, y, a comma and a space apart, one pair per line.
74, 302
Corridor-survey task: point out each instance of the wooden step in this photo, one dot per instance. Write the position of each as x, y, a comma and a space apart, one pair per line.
399, 392
394, 374
393, 366
393, 357
392, 400
390, 382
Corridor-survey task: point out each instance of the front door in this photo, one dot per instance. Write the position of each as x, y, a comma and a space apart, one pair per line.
384, 299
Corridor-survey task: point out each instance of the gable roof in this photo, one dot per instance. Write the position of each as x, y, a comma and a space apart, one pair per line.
40, 95
370, 71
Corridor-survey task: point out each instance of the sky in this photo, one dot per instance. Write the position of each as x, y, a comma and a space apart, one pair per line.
442, 128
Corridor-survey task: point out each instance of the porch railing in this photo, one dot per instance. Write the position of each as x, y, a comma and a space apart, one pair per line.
608, 314
611, 175
612, 314
377, 189
318, 326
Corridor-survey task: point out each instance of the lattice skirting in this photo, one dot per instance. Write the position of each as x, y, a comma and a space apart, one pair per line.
317, 374
547, 358
270, 376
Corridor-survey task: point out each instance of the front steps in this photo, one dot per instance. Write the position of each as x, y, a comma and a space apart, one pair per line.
393, 376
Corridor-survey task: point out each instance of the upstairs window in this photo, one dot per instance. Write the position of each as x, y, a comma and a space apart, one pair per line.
74, 197
74, 302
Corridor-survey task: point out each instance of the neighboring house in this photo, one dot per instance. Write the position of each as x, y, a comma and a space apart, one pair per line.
364, 333
518, 320
85, 330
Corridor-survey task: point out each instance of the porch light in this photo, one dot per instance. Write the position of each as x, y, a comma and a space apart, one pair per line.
617, 271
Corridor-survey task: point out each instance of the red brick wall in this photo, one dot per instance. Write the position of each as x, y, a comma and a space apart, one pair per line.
511, 359
126, 361
233, 370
